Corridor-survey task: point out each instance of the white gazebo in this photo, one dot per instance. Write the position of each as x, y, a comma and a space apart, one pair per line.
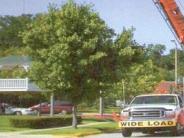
16, 84
19, 84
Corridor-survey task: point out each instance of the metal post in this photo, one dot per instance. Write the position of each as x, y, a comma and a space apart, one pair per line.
123, 85
175, 63
52, 104
101, 104
39, 109
27, 84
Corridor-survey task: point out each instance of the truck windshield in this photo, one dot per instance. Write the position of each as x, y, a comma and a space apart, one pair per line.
155, 100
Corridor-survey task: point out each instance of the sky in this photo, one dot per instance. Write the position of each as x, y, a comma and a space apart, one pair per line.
140, 14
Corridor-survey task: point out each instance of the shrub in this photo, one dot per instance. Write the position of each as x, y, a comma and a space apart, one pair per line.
42, 122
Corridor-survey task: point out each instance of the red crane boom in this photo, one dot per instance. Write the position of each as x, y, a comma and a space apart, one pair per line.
174, 16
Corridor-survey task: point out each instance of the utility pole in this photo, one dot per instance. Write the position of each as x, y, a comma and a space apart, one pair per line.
24, 7
176, 60
123, 85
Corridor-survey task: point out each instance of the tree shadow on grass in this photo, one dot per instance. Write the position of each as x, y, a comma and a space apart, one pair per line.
109, 130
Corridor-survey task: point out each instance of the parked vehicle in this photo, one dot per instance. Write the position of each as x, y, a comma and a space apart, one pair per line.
11, 110
63, 107
151, 113
19, 111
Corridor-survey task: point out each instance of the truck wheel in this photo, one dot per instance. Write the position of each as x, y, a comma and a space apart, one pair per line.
177, 130
126, 132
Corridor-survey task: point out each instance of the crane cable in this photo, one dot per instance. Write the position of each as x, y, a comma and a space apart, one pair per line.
181, 5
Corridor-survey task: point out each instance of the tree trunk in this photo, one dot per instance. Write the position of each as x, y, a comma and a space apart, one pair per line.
74, 117
101, 107
52, 105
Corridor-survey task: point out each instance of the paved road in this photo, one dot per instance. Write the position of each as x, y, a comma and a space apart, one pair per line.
135, 135
110, 135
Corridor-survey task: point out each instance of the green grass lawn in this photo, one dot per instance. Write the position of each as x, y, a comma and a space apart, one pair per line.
83, 131
5, 125
105, 126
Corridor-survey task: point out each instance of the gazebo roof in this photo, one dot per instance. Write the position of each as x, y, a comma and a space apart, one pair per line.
15, 60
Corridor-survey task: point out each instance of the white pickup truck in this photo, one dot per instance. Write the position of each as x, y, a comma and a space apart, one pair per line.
152, 113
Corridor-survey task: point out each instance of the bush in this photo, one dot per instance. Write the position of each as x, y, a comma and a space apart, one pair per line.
42, 122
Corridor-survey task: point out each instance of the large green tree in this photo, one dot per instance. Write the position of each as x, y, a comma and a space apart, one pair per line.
169, 63
155, 53
10, 39
134, 70
71, 49
10, 27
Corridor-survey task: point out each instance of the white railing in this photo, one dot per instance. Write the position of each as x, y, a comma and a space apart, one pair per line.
13, 84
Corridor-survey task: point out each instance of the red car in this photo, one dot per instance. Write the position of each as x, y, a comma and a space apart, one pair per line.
59, 107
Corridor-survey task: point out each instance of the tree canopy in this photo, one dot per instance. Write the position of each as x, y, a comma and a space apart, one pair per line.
10, 38
72, 51
10, 27
137, 73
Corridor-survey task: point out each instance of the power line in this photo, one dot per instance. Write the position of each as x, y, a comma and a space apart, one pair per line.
24, 5
181, 5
